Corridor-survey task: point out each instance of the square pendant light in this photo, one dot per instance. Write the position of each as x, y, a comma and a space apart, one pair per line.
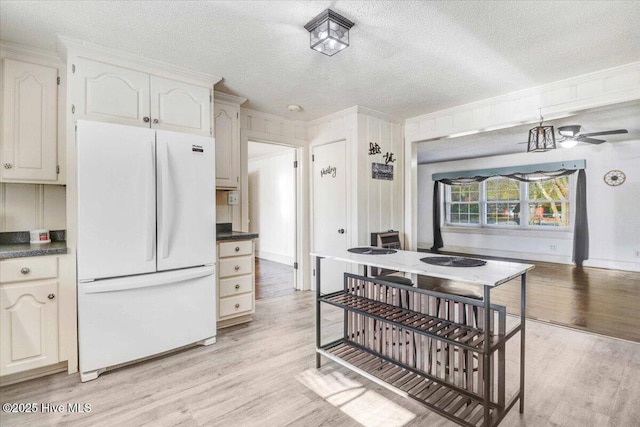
541, 138
329, 32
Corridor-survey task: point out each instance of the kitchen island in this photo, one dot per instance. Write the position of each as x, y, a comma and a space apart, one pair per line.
445, 351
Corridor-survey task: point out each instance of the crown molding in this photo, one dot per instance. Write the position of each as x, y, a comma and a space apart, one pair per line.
10, 49
221, 96
68, 45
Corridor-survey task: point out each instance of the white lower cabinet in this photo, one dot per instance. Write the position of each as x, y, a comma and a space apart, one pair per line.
236, 282
29, 336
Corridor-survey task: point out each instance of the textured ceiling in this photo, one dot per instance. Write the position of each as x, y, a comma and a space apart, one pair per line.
406, 57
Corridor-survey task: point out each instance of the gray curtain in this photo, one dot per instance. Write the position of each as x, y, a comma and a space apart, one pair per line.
581, 229
437, 233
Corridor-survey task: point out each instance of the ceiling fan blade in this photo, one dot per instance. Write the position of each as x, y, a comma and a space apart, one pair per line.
590, 140
605, 132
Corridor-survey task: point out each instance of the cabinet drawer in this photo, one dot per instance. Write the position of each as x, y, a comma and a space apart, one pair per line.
236, 266
239, 304
236, 248
32, 268
236, 285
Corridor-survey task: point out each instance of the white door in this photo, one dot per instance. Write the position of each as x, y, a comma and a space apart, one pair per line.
180, 107
30, 115
186, 186
329, 210
112, 94
116, 200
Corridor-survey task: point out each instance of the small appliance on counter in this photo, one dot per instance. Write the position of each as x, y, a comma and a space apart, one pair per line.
39, 236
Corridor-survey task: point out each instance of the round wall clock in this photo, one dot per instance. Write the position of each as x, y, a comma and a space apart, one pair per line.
614, 177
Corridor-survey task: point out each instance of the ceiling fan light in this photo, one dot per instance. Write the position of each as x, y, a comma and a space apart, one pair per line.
568, 143
541, 138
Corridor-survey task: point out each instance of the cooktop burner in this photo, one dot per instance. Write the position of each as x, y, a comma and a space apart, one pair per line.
453, 261
372, 251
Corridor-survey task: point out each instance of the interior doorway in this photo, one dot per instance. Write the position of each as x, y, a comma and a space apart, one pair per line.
272, 189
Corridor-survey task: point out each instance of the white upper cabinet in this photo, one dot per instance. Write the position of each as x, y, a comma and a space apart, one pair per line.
180, 107
226, 126
29, 123
112, 94
121, 95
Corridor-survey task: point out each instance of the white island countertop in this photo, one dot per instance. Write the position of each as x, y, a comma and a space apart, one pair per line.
493, 273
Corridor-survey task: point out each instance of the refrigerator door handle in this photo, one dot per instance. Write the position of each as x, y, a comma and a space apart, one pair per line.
151, 202
165, 184
144, 281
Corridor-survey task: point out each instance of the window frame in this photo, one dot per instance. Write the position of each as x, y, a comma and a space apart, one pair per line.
524, 210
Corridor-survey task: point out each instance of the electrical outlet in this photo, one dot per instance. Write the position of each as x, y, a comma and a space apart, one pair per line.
232, 198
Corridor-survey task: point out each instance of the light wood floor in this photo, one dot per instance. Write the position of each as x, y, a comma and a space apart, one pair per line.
263, 374
273, 279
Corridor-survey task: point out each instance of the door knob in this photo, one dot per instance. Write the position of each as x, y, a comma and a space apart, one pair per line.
341, 231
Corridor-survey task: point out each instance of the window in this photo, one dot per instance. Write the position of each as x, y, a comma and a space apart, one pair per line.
464, 204
498, 202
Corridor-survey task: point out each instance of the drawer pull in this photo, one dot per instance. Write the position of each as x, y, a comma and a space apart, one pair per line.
236, 268
237, 305
237, 286
237, 248
51, 296
25, 270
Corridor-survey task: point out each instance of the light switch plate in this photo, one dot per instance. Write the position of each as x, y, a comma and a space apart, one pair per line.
232, 198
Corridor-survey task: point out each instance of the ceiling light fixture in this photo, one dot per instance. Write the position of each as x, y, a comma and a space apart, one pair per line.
329, 32
541, 138
294, 108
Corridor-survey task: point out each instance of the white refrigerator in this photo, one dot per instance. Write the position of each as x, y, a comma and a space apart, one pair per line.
146, 243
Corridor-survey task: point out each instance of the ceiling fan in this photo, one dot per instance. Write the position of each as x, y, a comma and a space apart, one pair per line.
570, 135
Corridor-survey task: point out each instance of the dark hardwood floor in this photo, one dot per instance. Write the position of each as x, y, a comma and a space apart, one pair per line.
592, 299
273, 279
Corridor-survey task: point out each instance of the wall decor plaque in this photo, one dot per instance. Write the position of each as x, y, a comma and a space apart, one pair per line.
382, 171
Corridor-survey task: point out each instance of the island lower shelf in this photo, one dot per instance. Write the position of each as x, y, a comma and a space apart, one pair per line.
456, 405
444, 351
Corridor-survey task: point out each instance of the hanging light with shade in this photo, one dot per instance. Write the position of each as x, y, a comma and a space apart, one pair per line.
541, 138
329, 32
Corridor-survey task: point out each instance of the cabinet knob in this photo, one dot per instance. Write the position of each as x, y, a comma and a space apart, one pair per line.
156, 121
25, 270
145, 119
51, 296
237, 286
237, 267
237, 305
237, 248
8, 165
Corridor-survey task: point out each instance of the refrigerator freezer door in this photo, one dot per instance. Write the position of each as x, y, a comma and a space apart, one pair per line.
186, 200
116, 200
120, 320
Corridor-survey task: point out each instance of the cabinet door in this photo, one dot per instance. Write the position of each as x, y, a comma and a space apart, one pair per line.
108, 93
29, 326
227, 135
29, 135
180, 107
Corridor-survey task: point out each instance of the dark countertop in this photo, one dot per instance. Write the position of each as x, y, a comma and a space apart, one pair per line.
235, 235
17, 250
15, 244
224, 232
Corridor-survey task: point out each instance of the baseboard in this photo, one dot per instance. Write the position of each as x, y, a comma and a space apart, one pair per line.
270, 256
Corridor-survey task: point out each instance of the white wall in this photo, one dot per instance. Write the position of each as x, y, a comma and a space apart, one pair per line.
30, 206
272, 207
614, 227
